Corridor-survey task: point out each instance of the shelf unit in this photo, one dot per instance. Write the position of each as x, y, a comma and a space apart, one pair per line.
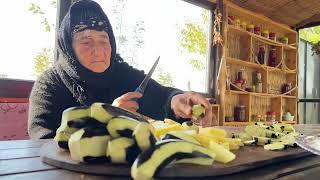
240, 52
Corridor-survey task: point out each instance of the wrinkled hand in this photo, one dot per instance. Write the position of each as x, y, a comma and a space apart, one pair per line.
181, 105
125, 101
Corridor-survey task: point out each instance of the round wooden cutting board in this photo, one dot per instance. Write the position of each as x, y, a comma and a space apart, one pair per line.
247, 158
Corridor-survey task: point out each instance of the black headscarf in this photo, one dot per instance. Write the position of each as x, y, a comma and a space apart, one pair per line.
82, 15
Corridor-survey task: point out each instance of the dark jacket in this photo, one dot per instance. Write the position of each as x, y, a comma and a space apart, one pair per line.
50, 96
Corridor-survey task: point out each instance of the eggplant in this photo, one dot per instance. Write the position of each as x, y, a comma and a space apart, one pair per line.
189, 125
104, 112
154, 159
64, 132
262, 140
85, 122
143, 136
122, 150
89, 145
180, 135
122, 126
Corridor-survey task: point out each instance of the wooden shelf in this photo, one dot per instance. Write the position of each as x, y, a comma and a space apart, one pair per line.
261, 94
269, 41
235, 123
290, 122
258, 66
290, 97
240, 51
245, 63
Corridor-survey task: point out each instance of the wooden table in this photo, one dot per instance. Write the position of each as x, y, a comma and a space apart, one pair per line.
20, 159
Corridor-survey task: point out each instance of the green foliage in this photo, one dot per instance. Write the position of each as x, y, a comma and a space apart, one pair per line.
165, 78
37, 10
194, 38
43, 60
310, 34
194, 41
197, 64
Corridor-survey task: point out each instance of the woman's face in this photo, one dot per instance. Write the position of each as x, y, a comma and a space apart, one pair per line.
92, 49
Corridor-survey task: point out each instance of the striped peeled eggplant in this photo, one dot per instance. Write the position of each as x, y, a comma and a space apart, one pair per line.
189, 125
180, 135
122, 126
104, 112
164, 152
122, 150
64, 132
143, 136
84, 122
89, 144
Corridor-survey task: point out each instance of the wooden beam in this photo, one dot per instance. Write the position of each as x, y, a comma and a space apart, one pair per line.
62, 9
13, 88
202, 3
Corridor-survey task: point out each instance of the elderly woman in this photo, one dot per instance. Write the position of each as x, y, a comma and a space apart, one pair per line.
89, 70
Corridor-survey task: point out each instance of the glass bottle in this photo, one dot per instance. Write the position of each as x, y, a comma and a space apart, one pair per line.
272, 57
261, 54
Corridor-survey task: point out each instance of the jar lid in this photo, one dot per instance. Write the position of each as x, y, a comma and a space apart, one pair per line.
241, 106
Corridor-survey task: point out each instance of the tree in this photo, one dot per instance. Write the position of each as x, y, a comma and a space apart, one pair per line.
43, 60
124, 34
165, 78
44, 57
193, 40
310, 34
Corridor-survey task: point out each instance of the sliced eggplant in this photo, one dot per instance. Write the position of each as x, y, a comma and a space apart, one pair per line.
85, 122
89, 145
249, 142
64, 132
104, 112
122, 150
180, 135
143, 136
122, 126
274, 146
262, 140
164, 152
189, 125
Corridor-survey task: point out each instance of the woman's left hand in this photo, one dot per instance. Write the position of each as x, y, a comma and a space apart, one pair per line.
181, 105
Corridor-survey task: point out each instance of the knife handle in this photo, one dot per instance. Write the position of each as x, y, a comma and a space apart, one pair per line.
139, 90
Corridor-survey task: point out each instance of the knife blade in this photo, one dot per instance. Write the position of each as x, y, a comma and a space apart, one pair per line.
145, 81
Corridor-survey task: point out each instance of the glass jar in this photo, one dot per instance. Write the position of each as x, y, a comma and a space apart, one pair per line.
286, 88
285, 40
238, 22
244, 25
265, 33
240, 75
272, 36
261, 55
259, 87
231, 20
250, 28
271, 116
229, 119
257, 30
272, 57
240, 113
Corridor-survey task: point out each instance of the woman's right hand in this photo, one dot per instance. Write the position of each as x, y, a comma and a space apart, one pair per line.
125, 101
